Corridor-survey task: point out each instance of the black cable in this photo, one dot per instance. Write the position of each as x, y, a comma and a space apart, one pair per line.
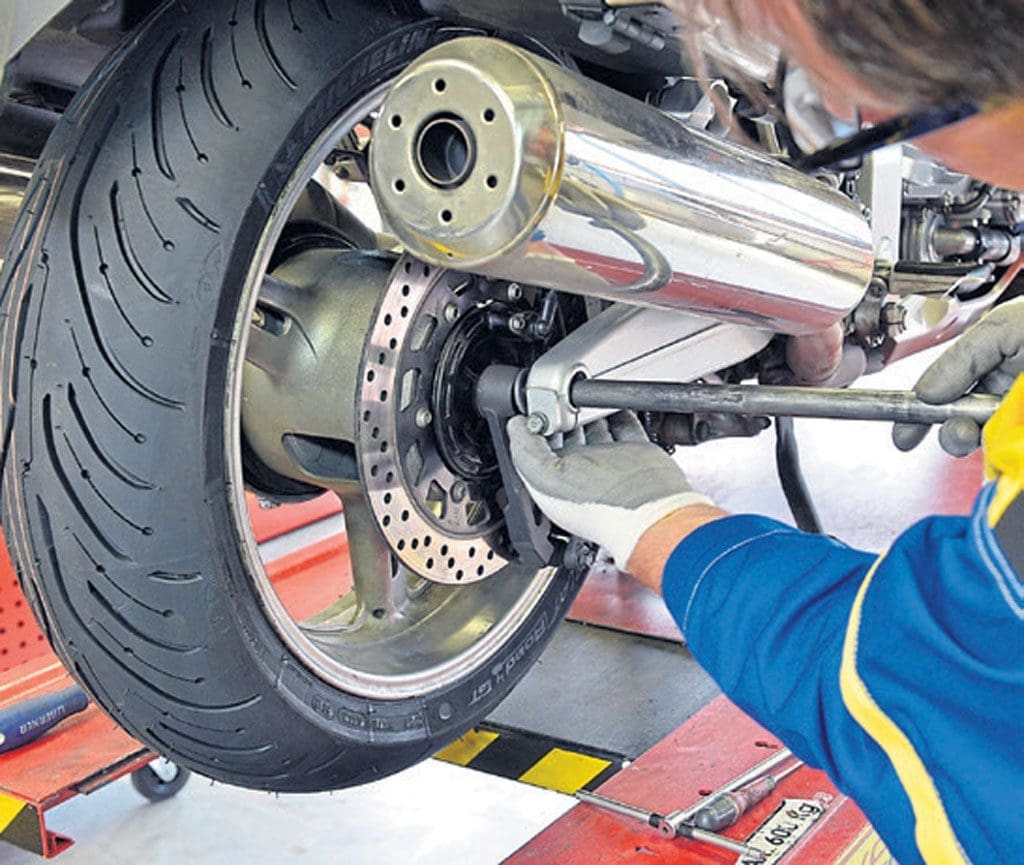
893, 131
791, 476
978, 201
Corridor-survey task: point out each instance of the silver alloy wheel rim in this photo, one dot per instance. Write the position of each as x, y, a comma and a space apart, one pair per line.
464, 626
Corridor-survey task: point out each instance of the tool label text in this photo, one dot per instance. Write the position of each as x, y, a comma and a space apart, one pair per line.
780, 833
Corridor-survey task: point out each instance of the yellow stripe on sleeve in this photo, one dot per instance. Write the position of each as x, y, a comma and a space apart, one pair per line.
1004, 452
932, 830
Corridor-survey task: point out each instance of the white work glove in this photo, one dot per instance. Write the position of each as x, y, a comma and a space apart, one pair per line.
988, 358
608, 484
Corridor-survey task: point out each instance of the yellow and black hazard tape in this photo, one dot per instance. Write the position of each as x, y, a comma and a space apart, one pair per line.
533, 759
20, 824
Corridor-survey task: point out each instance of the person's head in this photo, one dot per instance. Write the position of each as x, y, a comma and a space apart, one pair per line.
927, 52
888, 56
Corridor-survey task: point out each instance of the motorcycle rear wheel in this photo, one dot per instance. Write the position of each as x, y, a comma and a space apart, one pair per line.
130, 282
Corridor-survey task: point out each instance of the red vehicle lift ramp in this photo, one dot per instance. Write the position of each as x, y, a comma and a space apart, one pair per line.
716, 745
79, 756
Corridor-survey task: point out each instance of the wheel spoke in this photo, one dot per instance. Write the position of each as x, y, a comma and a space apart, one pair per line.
373, 570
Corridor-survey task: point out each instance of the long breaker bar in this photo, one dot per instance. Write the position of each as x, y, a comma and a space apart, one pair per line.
837, 403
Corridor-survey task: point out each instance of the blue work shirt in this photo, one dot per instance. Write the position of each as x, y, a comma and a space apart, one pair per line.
901, 676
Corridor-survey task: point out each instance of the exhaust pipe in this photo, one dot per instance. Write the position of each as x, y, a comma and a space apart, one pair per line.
488, 159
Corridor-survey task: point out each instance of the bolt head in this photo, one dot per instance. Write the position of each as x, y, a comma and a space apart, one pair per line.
517, 323
537, 423
514, 291
451, 313
424, 418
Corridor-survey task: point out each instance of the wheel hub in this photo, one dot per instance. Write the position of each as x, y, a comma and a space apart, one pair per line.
361, 378
461, 432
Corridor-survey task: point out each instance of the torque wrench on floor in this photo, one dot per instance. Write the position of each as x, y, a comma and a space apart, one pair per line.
686, 815
836, 403
683, 830
726, 810
679, 823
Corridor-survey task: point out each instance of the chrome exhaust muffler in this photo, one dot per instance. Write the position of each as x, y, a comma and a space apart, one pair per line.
488, 159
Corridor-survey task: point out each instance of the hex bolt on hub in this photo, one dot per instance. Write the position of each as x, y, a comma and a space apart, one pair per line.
537, 423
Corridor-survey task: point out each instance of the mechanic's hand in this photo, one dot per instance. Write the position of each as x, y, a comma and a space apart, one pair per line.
989, 355
608, 485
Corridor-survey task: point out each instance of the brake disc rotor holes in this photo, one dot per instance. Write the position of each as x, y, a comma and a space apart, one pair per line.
425, 455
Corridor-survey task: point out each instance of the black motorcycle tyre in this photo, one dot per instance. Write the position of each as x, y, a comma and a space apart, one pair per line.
121, 288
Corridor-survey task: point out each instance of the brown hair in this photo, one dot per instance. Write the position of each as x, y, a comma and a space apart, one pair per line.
917, 52
928, 52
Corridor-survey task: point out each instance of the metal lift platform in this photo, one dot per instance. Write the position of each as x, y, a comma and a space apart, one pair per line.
81, 755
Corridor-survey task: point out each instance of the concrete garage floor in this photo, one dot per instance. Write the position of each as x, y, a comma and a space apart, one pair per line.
433, 814
593, 686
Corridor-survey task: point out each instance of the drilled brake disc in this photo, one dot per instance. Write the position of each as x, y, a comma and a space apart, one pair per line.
435, 507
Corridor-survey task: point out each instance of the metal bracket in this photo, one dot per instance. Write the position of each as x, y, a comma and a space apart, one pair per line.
627, 342
610, 27
498, 398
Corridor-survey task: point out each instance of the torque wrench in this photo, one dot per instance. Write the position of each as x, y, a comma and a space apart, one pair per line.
687, 814
836, 403
680, 823
660, 822
727, 809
